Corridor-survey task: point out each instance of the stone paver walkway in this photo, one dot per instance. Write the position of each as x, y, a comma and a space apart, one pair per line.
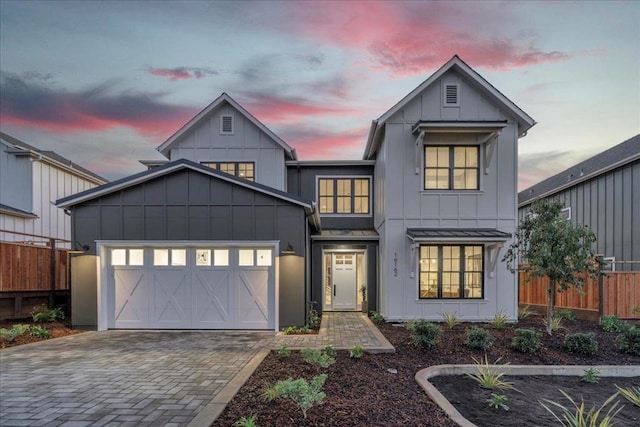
121, 377
343, 330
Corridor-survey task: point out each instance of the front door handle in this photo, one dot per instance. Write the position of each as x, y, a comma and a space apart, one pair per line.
334, 290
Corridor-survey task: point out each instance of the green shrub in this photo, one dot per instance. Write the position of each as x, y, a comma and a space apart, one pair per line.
330, 351
317, 357
376, 317
304, 394
489, 377
526, 340
39, 332
292, 330
612, 323
314, 319
246, 422
564, 313
478, 338
556, 323
629, 341
498, 401
579, 416
581, 343
269, 394
591, 376
283, 350
42, 315
11, 334
356, 352
451, 319
425, 334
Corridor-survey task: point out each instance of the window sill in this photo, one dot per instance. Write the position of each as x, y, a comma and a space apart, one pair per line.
449, 192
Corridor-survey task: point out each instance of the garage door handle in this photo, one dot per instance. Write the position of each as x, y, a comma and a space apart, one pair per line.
334, 290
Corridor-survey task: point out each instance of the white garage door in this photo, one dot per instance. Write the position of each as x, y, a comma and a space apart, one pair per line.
192, 288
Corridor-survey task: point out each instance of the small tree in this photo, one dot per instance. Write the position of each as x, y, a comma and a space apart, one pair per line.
553, 247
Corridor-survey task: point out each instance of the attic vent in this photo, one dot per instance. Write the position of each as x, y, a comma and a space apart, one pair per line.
226, 125
451, 95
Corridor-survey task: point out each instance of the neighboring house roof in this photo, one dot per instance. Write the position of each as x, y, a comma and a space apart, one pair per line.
22, 148
181, 164
456, 234
619, 155
166, 146
5, 209
525, 122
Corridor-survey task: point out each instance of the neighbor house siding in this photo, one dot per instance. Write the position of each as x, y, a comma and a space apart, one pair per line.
204, 143
607, 204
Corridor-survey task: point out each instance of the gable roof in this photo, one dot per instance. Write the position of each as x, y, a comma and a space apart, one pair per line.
525, 122
619, 155
183, 164
166, 146
22, 148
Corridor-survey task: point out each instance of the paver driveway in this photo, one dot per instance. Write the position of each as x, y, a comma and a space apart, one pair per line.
123, 377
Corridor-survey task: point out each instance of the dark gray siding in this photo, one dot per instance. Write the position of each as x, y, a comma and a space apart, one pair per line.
301, 180
187, 205
317, 292
608, 204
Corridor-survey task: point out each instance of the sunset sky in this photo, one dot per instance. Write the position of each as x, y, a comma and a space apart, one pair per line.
104, 83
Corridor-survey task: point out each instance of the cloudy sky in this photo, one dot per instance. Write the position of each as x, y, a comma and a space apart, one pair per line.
104, 83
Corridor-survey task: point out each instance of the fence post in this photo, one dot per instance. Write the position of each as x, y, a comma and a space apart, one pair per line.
52, 272
600, 293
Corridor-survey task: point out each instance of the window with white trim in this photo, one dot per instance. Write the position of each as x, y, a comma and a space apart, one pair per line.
448, 167
244, 170
350, 196
566, 213
451, 271
226, 124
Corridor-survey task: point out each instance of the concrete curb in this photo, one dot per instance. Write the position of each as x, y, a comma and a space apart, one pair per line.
423, 376
212, 411
386, 346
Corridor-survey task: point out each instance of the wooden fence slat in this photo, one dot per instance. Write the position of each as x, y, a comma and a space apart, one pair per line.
28, 268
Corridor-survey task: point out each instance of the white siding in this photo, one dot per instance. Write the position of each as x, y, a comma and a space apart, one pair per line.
205, 143
50, 183
407, 205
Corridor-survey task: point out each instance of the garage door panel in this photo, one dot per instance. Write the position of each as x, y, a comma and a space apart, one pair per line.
131, 298
252, 299
171, 293
211, 307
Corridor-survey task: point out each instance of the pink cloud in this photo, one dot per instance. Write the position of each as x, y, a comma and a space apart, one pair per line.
410, 38
319, 144
279, 109
181, 73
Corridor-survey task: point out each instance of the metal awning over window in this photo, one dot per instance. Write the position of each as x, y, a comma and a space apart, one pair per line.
442, 126
461, 235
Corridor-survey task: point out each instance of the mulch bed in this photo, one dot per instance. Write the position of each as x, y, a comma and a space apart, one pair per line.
56, 329
380, 389
524, 408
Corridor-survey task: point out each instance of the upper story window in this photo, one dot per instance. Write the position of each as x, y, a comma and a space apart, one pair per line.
245, 170
344, 195
226, 125
451, 167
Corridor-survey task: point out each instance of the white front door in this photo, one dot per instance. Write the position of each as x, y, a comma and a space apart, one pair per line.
343, 266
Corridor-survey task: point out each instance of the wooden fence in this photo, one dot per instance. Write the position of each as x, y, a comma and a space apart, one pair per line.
31, 276
618, 294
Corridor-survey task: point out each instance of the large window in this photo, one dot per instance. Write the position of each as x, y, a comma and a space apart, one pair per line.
451, 271
245, 170
343, 195
451, 167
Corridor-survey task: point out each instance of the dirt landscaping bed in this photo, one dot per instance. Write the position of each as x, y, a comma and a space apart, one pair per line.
56, 329
380, 389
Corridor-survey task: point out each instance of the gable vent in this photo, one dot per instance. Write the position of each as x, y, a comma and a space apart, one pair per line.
226, 125
451, 95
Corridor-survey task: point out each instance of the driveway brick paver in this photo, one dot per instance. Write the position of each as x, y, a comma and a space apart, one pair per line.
121, 377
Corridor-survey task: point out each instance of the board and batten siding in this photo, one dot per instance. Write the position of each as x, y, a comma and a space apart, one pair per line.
48, 183
609, 204
408, 205
205, 143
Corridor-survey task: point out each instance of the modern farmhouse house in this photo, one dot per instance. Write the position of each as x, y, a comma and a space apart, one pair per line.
234, 231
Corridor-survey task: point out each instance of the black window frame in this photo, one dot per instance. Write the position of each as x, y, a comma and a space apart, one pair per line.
236, 166
462, 271
335, 196
451, 168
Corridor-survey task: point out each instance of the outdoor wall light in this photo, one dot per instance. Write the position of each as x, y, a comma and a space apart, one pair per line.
288, 251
